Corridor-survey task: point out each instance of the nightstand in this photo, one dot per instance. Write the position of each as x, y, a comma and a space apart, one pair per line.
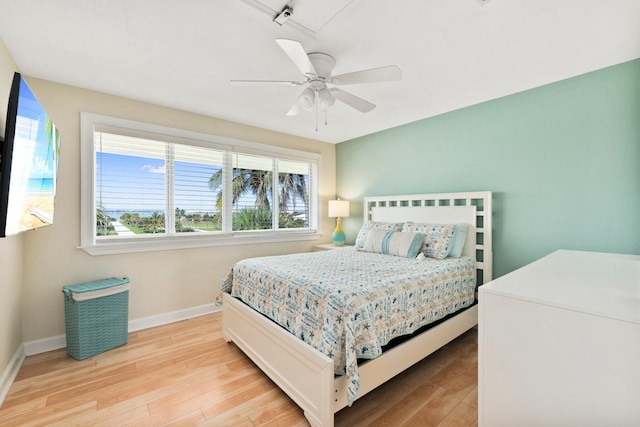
327, 247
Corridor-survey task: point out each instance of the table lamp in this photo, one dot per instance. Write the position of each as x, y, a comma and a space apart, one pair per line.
338, 209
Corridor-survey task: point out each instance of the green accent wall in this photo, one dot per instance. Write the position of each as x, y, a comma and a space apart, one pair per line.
562, 160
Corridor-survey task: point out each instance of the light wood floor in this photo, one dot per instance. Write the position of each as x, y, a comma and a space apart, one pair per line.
185, 374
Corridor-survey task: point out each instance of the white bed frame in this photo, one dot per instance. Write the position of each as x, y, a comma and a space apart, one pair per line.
307, 375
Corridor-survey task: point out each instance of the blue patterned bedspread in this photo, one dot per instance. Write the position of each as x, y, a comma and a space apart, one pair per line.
348, 304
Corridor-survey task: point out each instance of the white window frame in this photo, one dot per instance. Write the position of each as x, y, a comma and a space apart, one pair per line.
89, 123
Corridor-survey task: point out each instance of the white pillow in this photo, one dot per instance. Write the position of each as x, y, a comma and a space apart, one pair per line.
375, 225
396, 243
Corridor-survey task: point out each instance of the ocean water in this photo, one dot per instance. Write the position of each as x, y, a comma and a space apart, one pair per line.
116, 214
40, 185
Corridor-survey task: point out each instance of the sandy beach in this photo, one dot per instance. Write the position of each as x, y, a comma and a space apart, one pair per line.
40, 201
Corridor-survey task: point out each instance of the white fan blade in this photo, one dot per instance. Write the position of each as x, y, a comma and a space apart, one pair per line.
286, 82
295, 51
352, 100
294, 110
382, 74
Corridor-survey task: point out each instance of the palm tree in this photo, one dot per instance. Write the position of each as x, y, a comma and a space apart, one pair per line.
259, 183
103, 223
254, 181
252, 219
155, 222
292, 186
53, 147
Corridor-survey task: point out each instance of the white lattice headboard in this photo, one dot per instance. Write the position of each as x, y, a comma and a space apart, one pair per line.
472, 208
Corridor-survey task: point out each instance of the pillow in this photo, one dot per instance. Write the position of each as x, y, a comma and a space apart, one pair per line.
374, 225
437, 244
458, 239
394, 243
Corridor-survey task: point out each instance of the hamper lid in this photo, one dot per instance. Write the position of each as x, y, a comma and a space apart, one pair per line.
97, 288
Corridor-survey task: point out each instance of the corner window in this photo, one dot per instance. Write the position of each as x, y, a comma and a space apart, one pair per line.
147, 187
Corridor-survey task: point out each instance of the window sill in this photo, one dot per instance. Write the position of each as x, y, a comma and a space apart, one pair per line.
163, 243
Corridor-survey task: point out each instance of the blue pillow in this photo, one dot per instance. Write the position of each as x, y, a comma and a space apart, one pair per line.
458, 239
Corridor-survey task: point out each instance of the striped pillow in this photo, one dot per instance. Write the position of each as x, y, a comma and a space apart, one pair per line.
394, 243
375, 225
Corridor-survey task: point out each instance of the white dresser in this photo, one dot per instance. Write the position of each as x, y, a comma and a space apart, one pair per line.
559, 343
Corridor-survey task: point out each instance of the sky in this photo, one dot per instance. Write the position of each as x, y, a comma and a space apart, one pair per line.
138, 183
126, 182
32, 151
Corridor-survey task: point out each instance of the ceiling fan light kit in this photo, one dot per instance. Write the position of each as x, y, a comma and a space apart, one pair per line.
325, 99
317, 68
307, 98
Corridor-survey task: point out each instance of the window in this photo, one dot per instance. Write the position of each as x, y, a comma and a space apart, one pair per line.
147, 187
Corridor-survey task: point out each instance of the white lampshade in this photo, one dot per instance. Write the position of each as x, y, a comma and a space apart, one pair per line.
307, 98
325, 99
338, 208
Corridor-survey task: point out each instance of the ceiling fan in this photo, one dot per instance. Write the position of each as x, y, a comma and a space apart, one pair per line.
319, 93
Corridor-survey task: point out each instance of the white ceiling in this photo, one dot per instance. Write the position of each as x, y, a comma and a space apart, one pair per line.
183, 54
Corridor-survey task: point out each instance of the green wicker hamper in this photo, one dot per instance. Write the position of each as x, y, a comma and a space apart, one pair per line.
96, 316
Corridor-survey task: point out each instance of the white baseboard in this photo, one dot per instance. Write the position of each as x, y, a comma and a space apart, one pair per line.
60, 341
173, 316
45, 344
10, 372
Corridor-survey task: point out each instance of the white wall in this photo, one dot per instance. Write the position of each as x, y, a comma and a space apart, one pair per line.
11, 260
162, 281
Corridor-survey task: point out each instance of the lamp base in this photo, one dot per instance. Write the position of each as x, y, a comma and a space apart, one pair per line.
338, 237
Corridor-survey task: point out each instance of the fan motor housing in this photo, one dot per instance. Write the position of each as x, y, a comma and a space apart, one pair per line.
323, 64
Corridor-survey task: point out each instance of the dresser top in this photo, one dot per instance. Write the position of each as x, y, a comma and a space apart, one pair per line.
602, 284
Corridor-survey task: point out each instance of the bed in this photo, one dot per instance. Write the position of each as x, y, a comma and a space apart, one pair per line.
326, 370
